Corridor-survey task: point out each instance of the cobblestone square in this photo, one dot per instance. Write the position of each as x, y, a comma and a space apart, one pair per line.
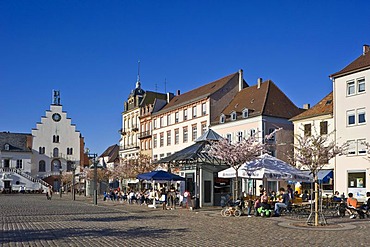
31, 220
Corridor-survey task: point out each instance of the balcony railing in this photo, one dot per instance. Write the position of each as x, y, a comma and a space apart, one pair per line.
145, 134
129, 146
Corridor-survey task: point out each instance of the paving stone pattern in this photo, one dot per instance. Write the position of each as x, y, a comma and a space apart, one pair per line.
31, 220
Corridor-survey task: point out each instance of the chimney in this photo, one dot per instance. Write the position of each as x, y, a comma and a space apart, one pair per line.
365, 49
259, 82
169, 97
241, 80
177, 92
306, 106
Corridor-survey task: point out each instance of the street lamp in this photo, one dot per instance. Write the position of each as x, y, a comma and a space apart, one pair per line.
73, 167
60, 182
94, 166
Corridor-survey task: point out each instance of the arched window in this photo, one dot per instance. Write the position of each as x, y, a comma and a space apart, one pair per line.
42, 166
55, 139
55, 152
56, 165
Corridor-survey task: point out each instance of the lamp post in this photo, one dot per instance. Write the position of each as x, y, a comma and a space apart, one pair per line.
94, 165
60, 182
73, 181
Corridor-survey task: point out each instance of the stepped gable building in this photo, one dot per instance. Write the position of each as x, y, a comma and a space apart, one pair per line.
187, 116
319, 120
135, 136
351, 103
259, 110
35, 161
56, 145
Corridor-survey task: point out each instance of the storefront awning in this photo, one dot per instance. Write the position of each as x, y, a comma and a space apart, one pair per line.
324, 176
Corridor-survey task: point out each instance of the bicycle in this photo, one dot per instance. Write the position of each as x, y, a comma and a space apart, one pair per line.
229, 211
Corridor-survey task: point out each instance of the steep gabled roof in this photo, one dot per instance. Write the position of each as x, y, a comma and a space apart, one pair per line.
200, 92
324, 107
149, 97
111, 152
267, 100
361, 63
17, 142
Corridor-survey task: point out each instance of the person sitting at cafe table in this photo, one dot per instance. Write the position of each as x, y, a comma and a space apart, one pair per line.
336, 197
351, 205
283, 202
272, 196
264, 200
305, 196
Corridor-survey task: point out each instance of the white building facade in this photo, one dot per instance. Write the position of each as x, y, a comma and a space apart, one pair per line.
351, 104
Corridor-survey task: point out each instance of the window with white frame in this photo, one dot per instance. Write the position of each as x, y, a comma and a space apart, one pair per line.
155, 123
351, 88
228, 137
194, 131
161, 139
351, 147
185, 114
155, 157
222, 118
168, 119
177, 136
204, 127
194, 111
240, 136
361, 147
155, 141
19, 164
204, 109
233, 116
361, 85
252, 132
361, 116
161, 122
351, 118
169, 138
185, 134
245, 113
176, 117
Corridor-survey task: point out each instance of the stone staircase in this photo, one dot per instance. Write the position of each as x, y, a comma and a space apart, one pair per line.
44, 184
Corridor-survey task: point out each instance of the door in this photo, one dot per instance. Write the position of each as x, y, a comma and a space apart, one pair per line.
6, 163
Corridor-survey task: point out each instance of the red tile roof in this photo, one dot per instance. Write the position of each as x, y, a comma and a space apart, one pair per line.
267, 100
324, 107
361, 63
199, 93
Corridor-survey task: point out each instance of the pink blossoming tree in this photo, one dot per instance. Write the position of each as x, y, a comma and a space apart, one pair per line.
237, 154
313, 152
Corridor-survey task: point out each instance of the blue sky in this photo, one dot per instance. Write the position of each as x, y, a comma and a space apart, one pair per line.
89, 51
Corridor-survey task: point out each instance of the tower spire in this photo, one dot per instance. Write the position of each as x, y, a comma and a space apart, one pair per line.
138, 84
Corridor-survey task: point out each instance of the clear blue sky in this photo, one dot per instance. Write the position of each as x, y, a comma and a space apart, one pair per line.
89, 51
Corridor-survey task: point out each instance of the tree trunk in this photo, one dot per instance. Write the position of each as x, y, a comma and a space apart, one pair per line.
316, 200
236, 189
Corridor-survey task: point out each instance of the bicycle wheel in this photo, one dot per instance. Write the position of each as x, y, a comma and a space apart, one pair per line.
227, 213
223, 211
237, 213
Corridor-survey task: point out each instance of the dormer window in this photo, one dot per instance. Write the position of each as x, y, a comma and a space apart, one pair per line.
245, 113
6, 147
222, 118
233, 116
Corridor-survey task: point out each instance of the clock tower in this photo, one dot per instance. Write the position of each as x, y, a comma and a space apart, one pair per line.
57, 145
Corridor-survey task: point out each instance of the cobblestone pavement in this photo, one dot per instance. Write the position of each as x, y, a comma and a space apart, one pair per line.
31, 220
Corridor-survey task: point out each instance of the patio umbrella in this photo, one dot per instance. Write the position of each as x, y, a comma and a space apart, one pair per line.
160, 176
269, 167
